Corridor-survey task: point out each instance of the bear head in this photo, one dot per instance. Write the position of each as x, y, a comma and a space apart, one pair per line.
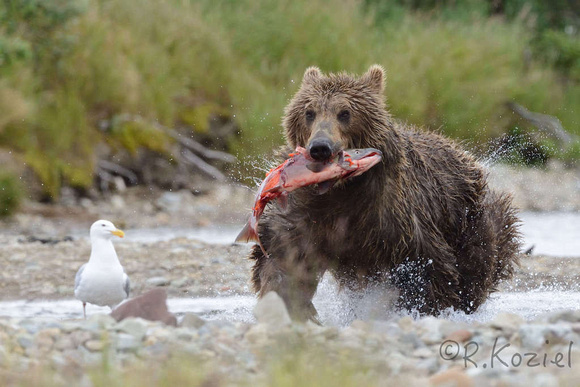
333, 112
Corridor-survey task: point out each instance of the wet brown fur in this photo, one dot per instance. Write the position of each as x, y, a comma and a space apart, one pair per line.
423, 218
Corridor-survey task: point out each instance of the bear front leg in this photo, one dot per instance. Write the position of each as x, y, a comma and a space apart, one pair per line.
291, 277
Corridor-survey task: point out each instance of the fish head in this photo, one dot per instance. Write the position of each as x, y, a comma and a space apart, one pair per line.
359, 160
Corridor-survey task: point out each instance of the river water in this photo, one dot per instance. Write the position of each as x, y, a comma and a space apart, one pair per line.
551, 234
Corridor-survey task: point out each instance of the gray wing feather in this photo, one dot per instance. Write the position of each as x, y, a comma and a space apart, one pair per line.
78, 276
126, 285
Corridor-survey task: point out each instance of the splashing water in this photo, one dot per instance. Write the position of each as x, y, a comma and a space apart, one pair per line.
334, 308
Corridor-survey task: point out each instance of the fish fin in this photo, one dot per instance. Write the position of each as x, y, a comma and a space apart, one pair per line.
283, 201
247, 235
325, 186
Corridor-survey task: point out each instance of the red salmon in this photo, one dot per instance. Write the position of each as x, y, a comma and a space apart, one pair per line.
300, 171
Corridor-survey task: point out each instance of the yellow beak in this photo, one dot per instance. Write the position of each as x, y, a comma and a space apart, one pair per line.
118, 233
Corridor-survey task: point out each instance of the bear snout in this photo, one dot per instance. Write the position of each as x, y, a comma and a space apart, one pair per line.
320, 149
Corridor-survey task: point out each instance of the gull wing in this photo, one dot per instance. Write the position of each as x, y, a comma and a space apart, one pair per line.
78, 276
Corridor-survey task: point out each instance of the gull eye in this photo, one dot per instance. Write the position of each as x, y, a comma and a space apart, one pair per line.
103, 225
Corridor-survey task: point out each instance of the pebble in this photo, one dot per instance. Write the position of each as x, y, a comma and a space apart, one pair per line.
135, 327
94, 345
271, 310
127, 342
158, 281
452, 377
507, 321
459, 336
191, 320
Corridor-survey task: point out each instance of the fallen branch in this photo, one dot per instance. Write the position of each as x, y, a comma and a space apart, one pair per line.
192, 159
119, 170
196, 146
184, 141
547, 124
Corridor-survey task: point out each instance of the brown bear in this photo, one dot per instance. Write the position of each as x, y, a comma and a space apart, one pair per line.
423, 218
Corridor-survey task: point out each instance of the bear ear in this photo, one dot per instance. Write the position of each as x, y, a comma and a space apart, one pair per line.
311, 74
375, 78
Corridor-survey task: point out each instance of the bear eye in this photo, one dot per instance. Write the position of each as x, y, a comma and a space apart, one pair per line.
343, 116
310, 115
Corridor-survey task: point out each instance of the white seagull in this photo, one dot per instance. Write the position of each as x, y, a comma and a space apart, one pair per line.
102, 281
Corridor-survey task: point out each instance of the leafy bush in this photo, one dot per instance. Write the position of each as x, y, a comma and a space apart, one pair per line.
68, 68
10, 194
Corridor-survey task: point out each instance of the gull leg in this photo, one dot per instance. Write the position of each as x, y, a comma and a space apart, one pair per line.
85, 310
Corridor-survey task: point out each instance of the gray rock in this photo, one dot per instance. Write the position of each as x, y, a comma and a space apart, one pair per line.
388, 328
257, 335
545, 380
158, 281
191, 320
532, 335
568, 316
181, 282
95, 345
24, 340
103, 320
430, 328
64, 343
536, 335
127, 342
271, 310
507, 321
135, 327
171, 201
80, 337
117, 202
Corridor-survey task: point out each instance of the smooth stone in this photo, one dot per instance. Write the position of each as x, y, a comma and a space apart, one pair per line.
151, 306
64, 342
102, 320
24, 340
191, 320
451, 377
158, 281
136, 327
507, 321
271, 310
459, 336
94, 345
127, 342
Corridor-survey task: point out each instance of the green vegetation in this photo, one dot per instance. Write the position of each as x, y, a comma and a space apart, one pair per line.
300, 366
69, 68
9, 194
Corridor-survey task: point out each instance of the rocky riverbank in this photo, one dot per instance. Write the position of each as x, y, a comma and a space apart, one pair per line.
428, 351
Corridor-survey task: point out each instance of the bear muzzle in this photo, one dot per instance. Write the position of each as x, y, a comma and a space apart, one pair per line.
323, 146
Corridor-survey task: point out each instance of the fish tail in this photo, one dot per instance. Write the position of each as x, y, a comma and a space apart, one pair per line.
248, 234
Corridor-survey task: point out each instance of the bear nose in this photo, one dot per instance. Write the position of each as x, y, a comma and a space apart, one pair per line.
320, 150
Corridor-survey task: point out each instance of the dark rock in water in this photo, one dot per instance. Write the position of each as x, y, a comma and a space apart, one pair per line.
149, 306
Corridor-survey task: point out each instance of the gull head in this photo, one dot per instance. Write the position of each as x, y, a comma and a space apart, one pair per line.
103, 229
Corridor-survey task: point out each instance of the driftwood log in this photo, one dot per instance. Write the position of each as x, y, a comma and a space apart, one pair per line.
546, 124
189, 153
